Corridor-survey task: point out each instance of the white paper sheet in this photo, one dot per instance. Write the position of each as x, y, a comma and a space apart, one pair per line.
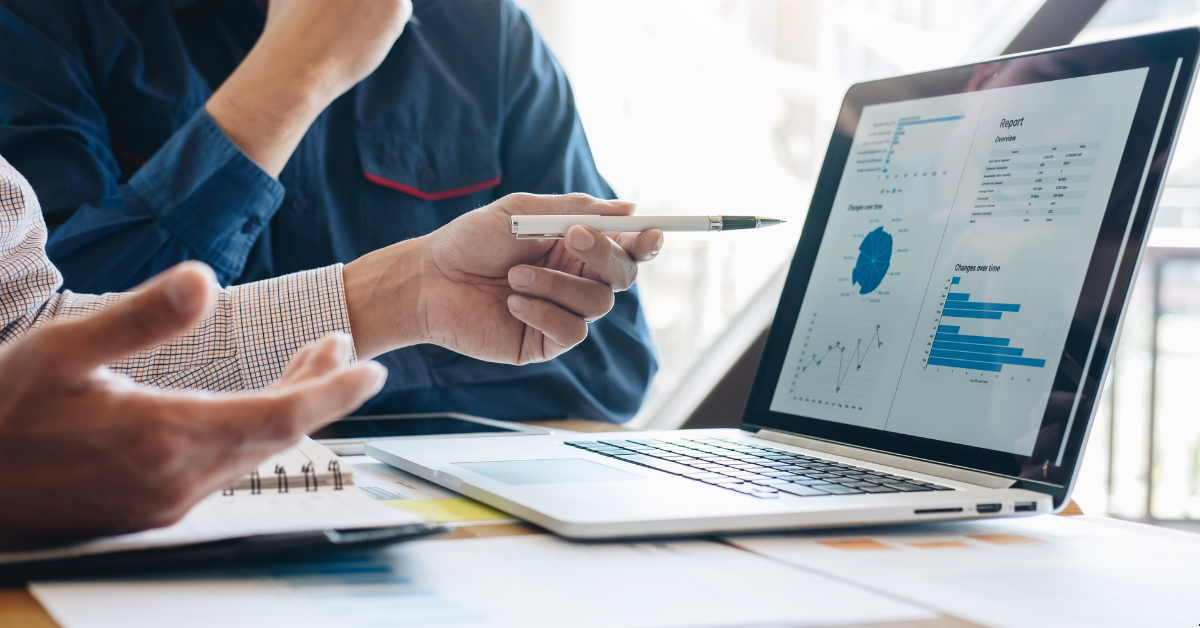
526, 582
1040, 571
228, 516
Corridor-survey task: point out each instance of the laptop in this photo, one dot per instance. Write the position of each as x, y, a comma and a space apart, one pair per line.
944, 330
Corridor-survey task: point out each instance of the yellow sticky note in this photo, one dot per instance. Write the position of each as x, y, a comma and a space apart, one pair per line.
448, 510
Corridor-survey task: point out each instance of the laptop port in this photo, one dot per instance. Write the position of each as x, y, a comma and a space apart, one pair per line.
1025, 507
984, 509
936, 511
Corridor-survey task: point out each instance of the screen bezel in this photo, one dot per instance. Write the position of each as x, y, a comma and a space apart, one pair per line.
1154, 51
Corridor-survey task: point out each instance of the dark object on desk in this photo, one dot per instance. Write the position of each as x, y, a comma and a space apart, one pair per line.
345, 437
223, 552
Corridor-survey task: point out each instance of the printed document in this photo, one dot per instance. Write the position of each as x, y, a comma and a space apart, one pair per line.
519, 582
1041, 571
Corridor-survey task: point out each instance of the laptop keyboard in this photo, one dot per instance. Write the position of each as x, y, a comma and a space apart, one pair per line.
753, 470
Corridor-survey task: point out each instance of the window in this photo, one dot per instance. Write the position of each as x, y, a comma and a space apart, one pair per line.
1152, 395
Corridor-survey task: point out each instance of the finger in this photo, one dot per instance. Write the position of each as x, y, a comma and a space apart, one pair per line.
280, 416
642, 247
318, 358
584, 297
574, 204
557, 324
156, 311
609, 261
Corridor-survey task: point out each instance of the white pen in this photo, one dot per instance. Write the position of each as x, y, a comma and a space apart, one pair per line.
541, 227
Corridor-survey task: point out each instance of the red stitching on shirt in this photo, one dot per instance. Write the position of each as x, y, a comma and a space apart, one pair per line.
137, 159
431, 196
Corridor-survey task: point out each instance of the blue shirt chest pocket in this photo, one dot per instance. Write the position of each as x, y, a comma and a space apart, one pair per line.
417, 182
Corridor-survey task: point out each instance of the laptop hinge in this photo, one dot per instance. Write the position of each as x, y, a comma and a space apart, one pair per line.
985, 480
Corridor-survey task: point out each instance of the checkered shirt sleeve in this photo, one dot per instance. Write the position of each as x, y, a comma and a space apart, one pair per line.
244, 343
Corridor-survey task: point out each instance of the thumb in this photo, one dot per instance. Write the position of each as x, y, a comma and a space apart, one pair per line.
154, 312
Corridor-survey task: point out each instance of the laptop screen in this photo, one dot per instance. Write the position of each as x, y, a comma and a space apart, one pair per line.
953, 258
957, 241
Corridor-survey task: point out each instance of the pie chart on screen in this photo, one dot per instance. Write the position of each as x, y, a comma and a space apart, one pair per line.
874, 258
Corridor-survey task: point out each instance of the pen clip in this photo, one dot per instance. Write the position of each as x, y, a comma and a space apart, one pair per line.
539, 236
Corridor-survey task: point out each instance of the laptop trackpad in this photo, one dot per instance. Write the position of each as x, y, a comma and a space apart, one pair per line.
554, 471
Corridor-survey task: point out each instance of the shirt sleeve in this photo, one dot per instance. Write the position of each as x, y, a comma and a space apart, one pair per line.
198, 197
244, 343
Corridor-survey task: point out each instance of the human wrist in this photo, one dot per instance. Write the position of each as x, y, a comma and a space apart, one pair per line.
265, 107
383, 298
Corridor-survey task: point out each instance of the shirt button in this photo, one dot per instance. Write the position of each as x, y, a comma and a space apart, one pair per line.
251, 224
428, 175
299, 204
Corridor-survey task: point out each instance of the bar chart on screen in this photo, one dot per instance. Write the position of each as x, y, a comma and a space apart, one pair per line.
913, 155
978, 335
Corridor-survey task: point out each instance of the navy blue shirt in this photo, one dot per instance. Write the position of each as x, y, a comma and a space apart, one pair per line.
101, 108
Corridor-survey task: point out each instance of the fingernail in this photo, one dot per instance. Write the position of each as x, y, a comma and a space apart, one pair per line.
180, 295
381, 374
658, 245
521, 277
623, 203
343, 345
580, 239
518, 304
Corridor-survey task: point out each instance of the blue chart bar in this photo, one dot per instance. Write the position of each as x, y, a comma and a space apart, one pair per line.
998, 359
979, 340
966, 364
978, 353
905, 122
971, 314
991, 307
929, 121
960, 305
976, 348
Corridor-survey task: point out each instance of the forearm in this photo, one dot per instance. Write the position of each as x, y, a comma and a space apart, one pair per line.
383, 304
267, 113
199, 197
244, 343
308, 55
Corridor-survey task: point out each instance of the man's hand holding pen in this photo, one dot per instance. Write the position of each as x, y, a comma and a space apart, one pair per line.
472, 288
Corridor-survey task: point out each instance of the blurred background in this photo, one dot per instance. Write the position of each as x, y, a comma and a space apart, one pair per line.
725, 106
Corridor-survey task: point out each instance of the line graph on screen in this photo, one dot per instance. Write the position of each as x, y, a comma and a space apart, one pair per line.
838, 363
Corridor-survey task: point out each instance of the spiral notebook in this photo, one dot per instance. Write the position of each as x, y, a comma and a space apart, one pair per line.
299, 500
308, 467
